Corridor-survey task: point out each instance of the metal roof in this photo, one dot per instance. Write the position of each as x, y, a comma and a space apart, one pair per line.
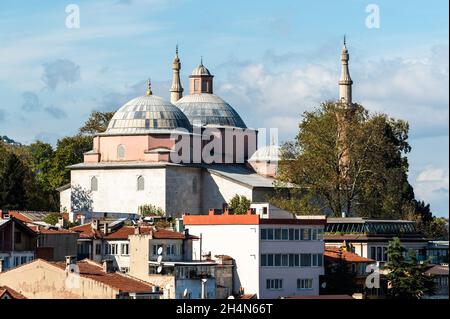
209, 109
241, 174
147, 114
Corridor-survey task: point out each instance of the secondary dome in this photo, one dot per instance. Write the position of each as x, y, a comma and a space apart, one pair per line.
147, 114
270, 153
201, 70
209, 109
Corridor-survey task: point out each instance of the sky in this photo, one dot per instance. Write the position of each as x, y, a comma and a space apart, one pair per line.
272, 60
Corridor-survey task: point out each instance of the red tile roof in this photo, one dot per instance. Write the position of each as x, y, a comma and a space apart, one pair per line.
94, 271
5, 290
51, 231
86, 231
332, 254
123, 232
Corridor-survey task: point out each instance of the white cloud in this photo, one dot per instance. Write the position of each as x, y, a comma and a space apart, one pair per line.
432, 184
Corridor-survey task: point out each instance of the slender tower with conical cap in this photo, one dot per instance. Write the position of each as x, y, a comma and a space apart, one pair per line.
344, 117
345, 82
176, 91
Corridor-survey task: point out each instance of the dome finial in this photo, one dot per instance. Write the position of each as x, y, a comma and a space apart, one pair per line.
176, 50
201, 60
345, 41
149, 87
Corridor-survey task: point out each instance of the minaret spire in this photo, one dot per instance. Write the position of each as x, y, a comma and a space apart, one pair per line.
149, 87
176, 91
345, 82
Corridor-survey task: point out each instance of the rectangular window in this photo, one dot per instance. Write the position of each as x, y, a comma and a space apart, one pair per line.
277, 260
16, 261
113, 249
385, 257
304, 284
107, 252
98, 249
315, 260
285, 234
263, 260
277, 234
320, 234
291, 234
125, 249
373, 254
314, 234
296, 234
305, 260
284, 260
305, 234
291, 260
23, 259
170, 250
270, 259
270, 234
274, 284
379, 256
296, 260
263, 234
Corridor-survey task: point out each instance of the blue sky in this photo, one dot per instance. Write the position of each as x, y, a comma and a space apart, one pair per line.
272, 60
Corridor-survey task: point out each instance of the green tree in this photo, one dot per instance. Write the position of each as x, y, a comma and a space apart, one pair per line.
12, 189
97, 123
406, 278
375, 184
69, 151
52, 218
150, 210
239, 204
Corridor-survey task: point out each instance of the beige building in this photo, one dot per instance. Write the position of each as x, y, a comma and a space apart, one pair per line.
41, 279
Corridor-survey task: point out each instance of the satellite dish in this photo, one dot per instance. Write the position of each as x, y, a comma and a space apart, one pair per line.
160, 251
185, 292
204, 280
231, 297
159, 259
159, 269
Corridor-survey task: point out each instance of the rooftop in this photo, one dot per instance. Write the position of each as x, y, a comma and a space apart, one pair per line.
332, 254
438, 270
94, 271
10, 293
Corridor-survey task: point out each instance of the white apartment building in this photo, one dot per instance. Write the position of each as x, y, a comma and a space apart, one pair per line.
275, 257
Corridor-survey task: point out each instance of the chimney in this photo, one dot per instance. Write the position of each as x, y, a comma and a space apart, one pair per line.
95, 224
61, 222
228, 211
137, 230
70, 260
251, 211
108, 266
105, 228
344, 214
4, 214
211, 211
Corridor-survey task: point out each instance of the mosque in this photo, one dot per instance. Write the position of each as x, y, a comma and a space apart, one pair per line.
188, 155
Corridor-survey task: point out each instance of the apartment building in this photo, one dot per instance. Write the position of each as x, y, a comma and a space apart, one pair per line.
274, 257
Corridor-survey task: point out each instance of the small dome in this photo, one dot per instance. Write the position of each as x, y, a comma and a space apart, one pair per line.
270, 153
209, 109
147, 114
201, 70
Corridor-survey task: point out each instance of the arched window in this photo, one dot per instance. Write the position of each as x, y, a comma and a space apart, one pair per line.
120, 152
94, 184
140, 183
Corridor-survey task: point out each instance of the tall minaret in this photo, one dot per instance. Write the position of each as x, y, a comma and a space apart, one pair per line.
344, 118
345, 82
176, 91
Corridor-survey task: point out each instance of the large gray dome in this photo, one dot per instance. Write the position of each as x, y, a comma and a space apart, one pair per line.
147, 114
209, 109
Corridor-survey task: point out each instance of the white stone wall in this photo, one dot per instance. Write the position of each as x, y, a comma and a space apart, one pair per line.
117, 188
218, 190
64, 198
238, 241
